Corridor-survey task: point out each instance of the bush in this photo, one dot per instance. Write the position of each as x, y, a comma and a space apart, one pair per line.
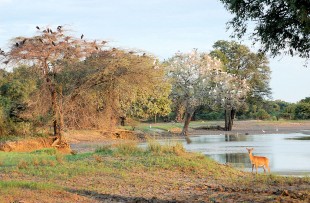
262, 115
302, 111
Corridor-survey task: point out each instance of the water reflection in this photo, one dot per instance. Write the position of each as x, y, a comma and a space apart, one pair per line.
288, 154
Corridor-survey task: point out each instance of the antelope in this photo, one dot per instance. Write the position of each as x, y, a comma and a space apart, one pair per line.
258, 161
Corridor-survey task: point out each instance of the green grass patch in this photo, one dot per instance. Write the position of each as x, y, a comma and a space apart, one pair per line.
13, 184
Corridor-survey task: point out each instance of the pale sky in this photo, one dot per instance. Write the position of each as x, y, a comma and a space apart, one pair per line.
159, 27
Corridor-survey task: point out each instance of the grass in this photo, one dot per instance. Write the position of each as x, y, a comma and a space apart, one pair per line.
25, 185
124, 164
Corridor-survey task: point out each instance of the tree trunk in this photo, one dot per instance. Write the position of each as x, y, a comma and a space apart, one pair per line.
188, 117
228, 119
55, 110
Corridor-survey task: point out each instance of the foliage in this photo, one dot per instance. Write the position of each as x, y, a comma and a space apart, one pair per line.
239, 60
279, 24
302, 110
117, 81
191, 76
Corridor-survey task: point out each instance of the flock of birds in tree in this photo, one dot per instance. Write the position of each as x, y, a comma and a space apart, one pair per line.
48, 30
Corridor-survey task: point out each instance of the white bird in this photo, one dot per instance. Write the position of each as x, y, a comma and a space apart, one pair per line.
263, 131
277, 129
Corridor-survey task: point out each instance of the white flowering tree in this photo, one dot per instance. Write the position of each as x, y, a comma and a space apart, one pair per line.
191, 75
230, 92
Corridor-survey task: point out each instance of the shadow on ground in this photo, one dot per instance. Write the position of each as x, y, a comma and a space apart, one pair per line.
118, 198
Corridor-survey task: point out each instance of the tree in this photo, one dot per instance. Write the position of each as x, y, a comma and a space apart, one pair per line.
246, 65
153, 105
191, 76
118, 80
302, 109
239, 60
280, 25
230, 92
50, 52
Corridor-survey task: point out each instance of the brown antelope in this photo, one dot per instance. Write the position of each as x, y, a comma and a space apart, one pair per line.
258, 161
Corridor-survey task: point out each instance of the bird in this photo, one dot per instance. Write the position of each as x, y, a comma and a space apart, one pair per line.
38, 27
96, 47
24, 41
6, 62
82, 36
103, 42
41, 40
263, 131
59, 28
16, 44
277, 129
53, 43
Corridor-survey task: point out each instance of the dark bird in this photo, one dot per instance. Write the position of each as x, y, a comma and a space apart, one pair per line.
51, 31
96, 47
82, 36
144, 54
131, 52
53, 43
6, 62
41, 40
104, 42
24, 41
38, 27
48, 30
59, 28
45, 31
16, 44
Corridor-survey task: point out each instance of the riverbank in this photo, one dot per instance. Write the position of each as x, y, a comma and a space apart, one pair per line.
249, 127
126, 173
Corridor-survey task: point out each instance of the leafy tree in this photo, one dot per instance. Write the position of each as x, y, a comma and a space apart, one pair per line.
302, 109
191, 76
117, 80
230, 92
246, 65
155, 104
49, 52
279, 24
239, 60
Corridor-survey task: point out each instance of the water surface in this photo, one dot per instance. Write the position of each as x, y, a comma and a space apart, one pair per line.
289, 154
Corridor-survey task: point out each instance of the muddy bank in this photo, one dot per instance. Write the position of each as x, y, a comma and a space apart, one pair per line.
32, 144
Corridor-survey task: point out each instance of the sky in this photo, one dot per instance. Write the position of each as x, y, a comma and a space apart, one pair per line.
158, 27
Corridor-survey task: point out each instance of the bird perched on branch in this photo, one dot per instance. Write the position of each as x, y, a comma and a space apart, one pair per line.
59, 28
82, 36
38, 27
